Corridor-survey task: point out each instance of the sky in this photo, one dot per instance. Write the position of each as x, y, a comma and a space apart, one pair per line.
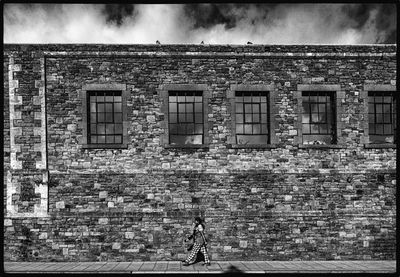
196, 23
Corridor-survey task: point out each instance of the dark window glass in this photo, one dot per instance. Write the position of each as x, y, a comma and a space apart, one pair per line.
252, 117
318, 117
382, 117
105, 117
185, 117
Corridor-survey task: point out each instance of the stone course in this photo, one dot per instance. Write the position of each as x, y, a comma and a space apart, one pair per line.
65, 202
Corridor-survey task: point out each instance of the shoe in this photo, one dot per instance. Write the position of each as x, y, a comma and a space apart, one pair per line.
207, 264
183, 261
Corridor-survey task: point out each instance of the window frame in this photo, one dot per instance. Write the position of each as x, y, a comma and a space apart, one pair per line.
86, 89
338, 96
163, 93
364, 96
272, 111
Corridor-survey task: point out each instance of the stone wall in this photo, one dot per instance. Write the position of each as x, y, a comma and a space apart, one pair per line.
287, 202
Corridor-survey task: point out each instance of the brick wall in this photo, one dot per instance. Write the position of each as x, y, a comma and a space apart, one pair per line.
285, 203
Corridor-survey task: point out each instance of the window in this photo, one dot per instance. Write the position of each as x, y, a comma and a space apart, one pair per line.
185, 117
185, 109
318, 120
251, 117
105, 117
319, 111
381, 117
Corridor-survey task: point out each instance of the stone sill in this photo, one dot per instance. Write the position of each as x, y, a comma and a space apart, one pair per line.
104, 146
379, 145
254, 146
186, 146
320, 146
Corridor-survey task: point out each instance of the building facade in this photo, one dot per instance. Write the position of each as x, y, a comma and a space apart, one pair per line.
287, 152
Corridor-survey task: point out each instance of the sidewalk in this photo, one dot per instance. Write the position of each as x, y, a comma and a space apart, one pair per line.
171, 267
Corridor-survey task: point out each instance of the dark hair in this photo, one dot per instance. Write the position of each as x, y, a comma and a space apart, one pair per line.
197, 218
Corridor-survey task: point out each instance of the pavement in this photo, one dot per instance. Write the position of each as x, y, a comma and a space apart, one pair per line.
174, 267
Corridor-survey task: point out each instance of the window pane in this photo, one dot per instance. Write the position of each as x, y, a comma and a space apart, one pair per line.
306, 128
189, 117
173, 128
189, 108
173, 118
109, 139
306, 108
118, 128
181, 117
322, 118
387, 129
172, 108
323, 129
239, 98
263, 118
264, 108
305, 118
100, 98
313, 98
321, 108
256, 108
100, 117
118, 117
239, 118
110, 129
93, 118
239, 128
247, 129
198, 107
117, 99
118, 139
387, 99
198, 99
172, 99
101, 129
247, 98
387, 117
182, 129
386, 108
248, 118
181, 98
256, 118
314, 117
371, 108
100, 108
198, 128
93, 139
263, 98
379, 129
93, 129
118, 107
101, 139
190, 98
322, 98
190, 129
109, 117
264, 129
378, 108
256, 129
247, 108
198, 117
239, 107
371, 128
314, 128
92, 107
379, 118
92, 98
371, 118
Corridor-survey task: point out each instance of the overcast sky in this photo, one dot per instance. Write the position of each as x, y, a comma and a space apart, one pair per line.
193, 23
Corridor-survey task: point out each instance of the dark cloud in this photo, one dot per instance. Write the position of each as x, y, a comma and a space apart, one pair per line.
209, 15
116, 13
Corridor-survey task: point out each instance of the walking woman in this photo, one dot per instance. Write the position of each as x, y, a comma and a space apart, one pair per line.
200, 243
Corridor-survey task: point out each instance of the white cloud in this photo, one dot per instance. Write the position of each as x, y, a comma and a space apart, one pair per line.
283, 24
